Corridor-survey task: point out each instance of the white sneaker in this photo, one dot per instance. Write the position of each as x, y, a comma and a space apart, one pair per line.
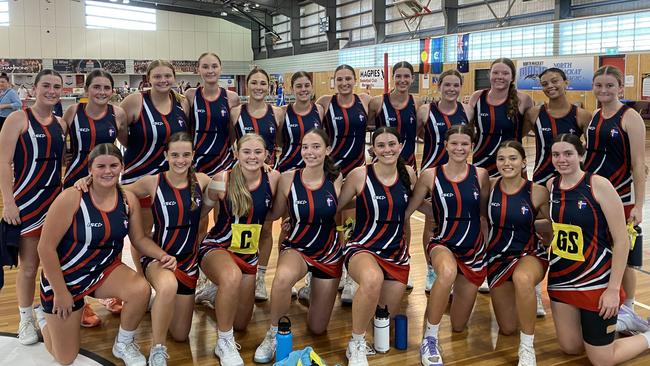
260, 289
27, 332
294, 292
349, 290
304, 294
228, 352
430, 352
541, 312
526, 356
205, 294
266, 350
484, 288
129, 353
357, 353
158, 355
343, 280
409, 283
629, 323
431, 278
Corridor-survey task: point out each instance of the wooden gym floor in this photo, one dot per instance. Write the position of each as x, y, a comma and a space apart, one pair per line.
480, 344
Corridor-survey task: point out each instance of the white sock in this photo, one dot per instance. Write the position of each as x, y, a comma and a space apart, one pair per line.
40, 318
273, 329
629, 302
125, 336
432, 330
647, 337
229, 334
429, 268
359, 337
526, 339
261, 271
25, 313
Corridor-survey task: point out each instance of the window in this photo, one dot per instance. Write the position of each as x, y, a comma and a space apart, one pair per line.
4, 13
107, 15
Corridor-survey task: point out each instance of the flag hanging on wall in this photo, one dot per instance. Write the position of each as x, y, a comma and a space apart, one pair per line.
431, 55
462, 51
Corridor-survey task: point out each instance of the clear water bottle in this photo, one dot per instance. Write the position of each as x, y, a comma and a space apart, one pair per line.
382, 329
284, 339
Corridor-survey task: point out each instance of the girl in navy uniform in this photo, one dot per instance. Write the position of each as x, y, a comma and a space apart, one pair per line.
81, 255
459, 193
516, 259
346, 120
229, 254
152, 117
210, 107
33, 140
310, 195
615, 141
434, 120
551, 119
398, 109
300, 117
377, 254
257, 116
499, 113
587, 260
178, 205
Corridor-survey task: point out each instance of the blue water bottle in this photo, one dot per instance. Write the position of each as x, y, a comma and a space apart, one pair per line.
283, 339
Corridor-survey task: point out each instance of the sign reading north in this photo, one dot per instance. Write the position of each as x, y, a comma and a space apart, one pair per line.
579, 72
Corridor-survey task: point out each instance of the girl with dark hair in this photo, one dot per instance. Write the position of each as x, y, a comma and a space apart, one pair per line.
32, 144
377, 252
310, 195
210, 118
300, 117
435, 119
257, 116
459, 193
516, 259
229, 253
551, 119
81, 256
398, 109
587, 261
615, 142
499, 113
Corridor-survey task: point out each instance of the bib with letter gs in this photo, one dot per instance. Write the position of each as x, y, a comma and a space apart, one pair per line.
568, 242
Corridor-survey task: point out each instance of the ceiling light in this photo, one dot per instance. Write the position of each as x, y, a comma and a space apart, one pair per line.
257, 5
223, 14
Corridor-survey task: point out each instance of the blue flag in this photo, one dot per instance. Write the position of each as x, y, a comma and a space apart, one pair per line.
436, 55
462, 52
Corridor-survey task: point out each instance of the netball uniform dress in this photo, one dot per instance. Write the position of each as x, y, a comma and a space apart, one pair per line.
608, 153
37, 171
581, 256
405, 121
85, 134
176, 226
546, 129
494, 126
211, 126
293, 130
457, 211
435, 129
379, 226
264, 127
512, 232
240, 235
346, 128
313, 234
148, 137
89, 251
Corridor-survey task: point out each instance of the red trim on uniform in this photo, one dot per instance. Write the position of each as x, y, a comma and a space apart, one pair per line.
393, 271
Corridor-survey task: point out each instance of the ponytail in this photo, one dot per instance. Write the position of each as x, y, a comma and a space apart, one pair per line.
404, 176
513, 102
191, 179
330, 169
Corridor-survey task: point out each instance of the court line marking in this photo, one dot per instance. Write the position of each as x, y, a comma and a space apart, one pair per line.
642, 305
417, 217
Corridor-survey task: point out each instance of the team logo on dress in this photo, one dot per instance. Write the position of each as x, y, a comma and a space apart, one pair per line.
329, 201
613, 132
380, 198
411, 119
524, 210
572, 131
94, 224
581, 204
158, 123
476, 194
448, 194
111, 132
301, 202
84, 129
361, 117
197, 201
40, 135
181, 122
406, 197
126, 224
200, 110
271, 129
223, 112
495, 204
316, 125
267, 202
169, 203
484, 114
338, 118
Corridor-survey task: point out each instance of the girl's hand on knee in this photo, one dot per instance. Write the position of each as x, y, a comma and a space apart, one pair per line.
608, 303
63, 305
168, 262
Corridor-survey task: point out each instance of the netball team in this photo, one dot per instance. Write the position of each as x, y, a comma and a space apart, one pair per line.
305, 164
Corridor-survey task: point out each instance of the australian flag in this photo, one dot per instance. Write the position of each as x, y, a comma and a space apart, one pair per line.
462, 51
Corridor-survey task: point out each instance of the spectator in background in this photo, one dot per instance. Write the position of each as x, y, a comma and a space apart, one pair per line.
23, 93
9, 100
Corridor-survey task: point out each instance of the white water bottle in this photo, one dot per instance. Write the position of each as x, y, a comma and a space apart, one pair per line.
382, 330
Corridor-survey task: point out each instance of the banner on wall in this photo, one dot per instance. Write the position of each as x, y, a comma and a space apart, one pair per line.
579, 72
373, 77
140, 66
185, 67
82, 66
21, 65
431, 55
462, 53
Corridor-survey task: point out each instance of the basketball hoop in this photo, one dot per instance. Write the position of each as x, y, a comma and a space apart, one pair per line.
412, 12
